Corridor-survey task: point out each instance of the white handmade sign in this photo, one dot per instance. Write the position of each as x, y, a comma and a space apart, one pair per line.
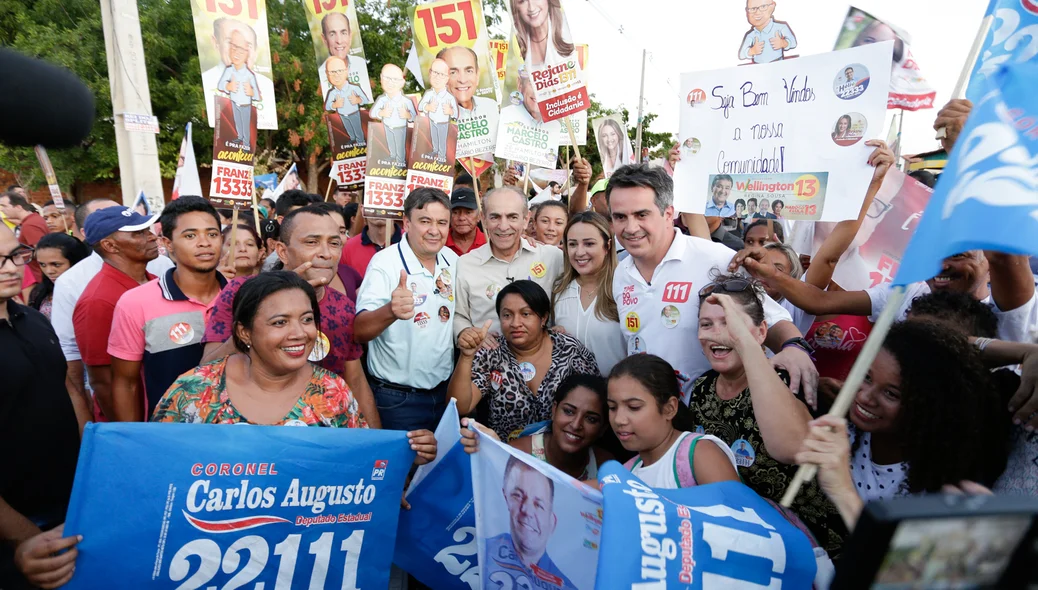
805, 117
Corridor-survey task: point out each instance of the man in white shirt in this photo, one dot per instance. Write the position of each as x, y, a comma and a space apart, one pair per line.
223, 28
70, 286
338, 38
410, 355
656, 288
505, 258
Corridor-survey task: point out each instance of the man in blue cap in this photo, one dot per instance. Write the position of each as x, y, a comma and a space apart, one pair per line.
123, 239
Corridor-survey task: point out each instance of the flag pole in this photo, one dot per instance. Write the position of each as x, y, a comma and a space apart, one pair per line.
967, 68
897, 154
641, 102
861, 367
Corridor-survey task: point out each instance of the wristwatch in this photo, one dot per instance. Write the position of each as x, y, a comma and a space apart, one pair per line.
800, 343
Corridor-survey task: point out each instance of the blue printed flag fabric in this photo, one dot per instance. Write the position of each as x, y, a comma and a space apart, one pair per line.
1013, 39
201, 506
987, 197
721, 535
436, 538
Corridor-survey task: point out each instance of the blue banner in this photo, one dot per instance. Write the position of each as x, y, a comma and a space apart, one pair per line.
1013, 38
720, 535
987, 197
266, 181
203, 506
436, 538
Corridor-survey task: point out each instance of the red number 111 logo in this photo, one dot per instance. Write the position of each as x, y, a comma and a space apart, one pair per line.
676, 292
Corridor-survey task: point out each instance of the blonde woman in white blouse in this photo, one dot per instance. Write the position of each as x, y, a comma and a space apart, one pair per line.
582, 302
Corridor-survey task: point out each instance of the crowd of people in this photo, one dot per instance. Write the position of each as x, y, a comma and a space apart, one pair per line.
603, 326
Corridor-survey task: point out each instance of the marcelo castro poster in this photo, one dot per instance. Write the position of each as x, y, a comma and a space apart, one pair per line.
536, 527
721, 535
203, 506
809, 115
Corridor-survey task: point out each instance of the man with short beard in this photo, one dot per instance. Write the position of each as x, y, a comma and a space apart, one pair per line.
309, 245
158, 326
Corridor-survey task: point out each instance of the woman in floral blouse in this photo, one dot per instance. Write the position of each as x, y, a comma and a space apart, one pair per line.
269, 381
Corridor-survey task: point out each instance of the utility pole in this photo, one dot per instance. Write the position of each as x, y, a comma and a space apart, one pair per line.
641, 102
128, 78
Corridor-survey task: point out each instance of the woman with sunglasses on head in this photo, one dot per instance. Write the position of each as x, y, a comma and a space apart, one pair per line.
582, 302
745, 403
55, 253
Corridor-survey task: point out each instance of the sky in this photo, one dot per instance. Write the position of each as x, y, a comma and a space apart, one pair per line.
693, 35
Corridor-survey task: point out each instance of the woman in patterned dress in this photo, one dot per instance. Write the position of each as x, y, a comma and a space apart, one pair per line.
269, 380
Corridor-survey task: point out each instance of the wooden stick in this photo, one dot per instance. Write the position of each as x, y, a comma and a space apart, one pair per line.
967, 68
526, 182
565, 166
861, 366
234, 236
328, 190
572, 137
255, 210
475, 186
389, 232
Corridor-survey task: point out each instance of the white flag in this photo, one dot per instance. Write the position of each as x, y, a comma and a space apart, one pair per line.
186, 182
414, 66
289, 182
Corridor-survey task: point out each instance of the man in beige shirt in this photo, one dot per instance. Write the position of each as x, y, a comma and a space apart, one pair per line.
505, 258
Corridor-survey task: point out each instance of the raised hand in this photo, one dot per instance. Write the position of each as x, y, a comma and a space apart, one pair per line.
881, 158
778, 42
402, 302
757, 48
316, 282
952, 118
471, 339
582, 171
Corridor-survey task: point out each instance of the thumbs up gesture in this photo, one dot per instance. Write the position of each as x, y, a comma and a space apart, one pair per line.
471, 339
757, 48
779, 42
402, 302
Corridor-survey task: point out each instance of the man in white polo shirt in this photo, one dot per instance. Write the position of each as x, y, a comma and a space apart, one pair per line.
505, 258
404, 309
657, 287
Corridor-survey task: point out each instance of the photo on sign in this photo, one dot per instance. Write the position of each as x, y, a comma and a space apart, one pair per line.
335, 32
541, 32
536, 525
849, 129
614, 146
691, 146
851, 82
792, 196
234, 56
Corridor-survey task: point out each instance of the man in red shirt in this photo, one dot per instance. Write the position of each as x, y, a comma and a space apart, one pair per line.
31, 225
124, 240
465, 234
359, 249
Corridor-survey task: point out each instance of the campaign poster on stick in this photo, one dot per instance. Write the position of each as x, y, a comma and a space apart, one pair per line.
499, 58
549, 57
874, 256
232, 185
522, 139
767, 196
236, 506
909, 90
389, 135
796, 116
614, 145
436, 538
50, 176
434, 136
347, 122
718, 536
536, 527
516, 90
234, 54
335, 32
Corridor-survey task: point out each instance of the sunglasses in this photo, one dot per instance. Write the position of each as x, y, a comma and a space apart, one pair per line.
732, 285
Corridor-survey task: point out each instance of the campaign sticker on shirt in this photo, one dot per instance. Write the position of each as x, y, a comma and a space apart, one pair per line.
181, 333
492, 290
420, 299
700, 429
538, 269
322, 347
744, 455
295, 423
528, 371
421, 319
444, 314
636, 346
632, 322
670, 316
496, 379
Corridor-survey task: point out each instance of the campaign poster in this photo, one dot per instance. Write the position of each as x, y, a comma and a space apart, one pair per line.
499, 58
909, 90
335, 32
536, 527
233, 156
614, 145
549, 58
436, 538
789, 117
522, 139
434, 137
289, 182
234, 54
514, 92
52, 178
721, 535
795, 197
346, 123
874, 256
209, 506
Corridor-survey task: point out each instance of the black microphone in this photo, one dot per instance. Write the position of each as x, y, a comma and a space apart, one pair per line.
42, 104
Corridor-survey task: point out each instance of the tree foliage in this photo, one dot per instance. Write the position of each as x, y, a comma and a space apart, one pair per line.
69, 33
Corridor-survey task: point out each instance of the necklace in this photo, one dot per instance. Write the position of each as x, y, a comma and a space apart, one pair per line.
541, 40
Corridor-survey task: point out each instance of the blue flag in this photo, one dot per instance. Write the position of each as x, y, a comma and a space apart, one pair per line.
721, 535
208, 506
436, 538
1013, 38
987, 197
